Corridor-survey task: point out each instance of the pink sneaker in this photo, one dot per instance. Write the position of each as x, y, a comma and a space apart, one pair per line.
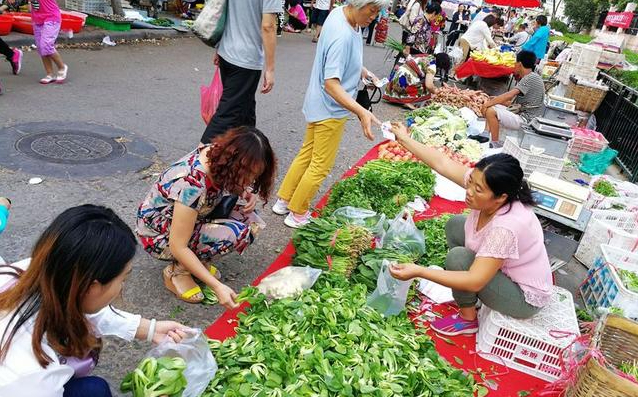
296, 221
16, 61
453, 325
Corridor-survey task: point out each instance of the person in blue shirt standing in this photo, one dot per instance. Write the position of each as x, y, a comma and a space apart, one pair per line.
539, 40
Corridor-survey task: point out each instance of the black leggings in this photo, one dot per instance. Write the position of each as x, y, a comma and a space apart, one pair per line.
5, 50
296, 24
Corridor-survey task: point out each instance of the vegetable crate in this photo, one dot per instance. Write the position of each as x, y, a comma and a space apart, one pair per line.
586, 141
617, 340
533, 346
627, 195
531, 162
615, 228
568, 69
603, 286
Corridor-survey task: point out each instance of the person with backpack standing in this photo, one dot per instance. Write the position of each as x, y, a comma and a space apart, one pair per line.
247, 48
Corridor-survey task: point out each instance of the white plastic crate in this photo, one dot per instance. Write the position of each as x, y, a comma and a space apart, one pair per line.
87, 5
603, 286
533, 346
585, 55
586, 72
609, 59
616, 228
531, 162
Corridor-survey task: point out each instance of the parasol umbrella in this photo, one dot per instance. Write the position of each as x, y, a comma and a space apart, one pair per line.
515, 3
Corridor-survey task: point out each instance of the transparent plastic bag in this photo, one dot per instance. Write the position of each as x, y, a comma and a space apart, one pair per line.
361, 217
403, 236
201, 366
289, 282
391, 294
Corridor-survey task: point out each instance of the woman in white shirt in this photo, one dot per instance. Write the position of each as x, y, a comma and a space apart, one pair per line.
53, 314
478, 33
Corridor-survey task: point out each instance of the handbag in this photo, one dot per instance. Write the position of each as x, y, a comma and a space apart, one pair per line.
224, 208
209, 25
404, 21
366, 100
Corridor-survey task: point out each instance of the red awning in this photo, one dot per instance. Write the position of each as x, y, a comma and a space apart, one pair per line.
515, 3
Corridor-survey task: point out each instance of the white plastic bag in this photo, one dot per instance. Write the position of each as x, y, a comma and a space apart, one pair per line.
201, 366
391, 294
456, 55
289, 282
403, 236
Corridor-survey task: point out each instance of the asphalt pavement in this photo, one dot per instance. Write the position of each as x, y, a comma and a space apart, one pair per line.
151, 91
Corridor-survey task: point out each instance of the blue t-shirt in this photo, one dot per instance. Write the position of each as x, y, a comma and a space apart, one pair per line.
339, 55
538, 42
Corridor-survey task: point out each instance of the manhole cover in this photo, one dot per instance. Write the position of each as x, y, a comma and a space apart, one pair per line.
70, 147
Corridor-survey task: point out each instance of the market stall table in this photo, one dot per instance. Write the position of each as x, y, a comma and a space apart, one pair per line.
459, 350
483, 69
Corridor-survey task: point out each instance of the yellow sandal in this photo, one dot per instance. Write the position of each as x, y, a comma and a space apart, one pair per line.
189, 295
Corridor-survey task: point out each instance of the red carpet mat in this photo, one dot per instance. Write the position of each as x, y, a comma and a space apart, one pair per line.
459, 351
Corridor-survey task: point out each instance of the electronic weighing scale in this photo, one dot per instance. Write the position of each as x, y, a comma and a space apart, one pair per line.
561, 102
552, 128
560, 197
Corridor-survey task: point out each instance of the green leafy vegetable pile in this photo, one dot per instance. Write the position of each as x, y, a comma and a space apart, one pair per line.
328, 342
165, 22
327, 243
370, 265
436, 247
629, 278
156, 377
383, 186
605, 188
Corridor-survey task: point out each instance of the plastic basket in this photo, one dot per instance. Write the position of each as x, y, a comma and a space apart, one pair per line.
586, 141
568, 69
532, 346
587, 98
603, 286
616, 228
617, 339
87, 5
120, 26
585, 55
6, 23
531, 162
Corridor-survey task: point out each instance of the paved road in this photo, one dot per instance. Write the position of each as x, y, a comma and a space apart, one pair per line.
152, 91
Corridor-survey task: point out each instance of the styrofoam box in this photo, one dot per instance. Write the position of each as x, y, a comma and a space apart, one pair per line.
615, 228
533, 346
603, 286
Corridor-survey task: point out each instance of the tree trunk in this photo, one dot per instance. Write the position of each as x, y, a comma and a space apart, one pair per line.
117, 7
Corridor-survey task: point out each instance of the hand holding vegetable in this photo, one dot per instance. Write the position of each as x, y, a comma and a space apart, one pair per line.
169, 329
226, 296
405, 271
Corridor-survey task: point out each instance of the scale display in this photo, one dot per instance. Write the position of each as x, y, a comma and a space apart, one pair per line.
558, 196
557, 204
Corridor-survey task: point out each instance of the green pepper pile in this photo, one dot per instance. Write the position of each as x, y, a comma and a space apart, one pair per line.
328, 342
383, 186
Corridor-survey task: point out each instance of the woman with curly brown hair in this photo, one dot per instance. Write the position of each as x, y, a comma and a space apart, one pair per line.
203, 206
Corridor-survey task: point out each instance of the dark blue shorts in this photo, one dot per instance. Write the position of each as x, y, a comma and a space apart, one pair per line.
318, 17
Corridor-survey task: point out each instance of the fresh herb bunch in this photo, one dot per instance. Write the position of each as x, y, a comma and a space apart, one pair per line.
156, 377
605, 188
327, 243
328, 342
393, 44
383, 186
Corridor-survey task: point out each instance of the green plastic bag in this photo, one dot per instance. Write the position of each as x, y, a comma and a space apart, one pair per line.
597, 163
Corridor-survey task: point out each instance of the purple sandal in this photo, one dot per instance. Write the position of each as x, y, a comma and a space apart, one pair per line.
453, 325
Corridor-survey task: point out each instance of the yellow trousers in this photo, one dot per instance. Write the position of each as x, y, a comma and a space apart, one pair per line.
312, 164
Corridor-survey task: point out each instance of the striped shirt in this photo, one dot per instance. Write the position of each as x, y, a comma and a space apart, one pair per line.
531, 97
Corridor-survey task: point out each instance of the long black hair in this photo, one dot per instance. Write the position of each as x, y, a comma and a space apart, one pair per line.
504, 175
82, 244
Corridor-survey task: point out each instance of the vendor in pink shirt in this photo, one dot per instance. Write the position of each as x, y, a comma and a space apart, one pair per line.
47, 19
497, 253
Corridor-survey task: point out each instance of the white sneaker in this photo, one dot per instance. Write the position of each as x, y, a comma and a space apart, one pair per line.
297, 221
280, 207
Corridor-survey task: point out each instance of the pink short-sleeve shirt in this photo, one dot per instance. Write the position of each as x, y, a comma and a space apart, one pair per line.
515, 235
